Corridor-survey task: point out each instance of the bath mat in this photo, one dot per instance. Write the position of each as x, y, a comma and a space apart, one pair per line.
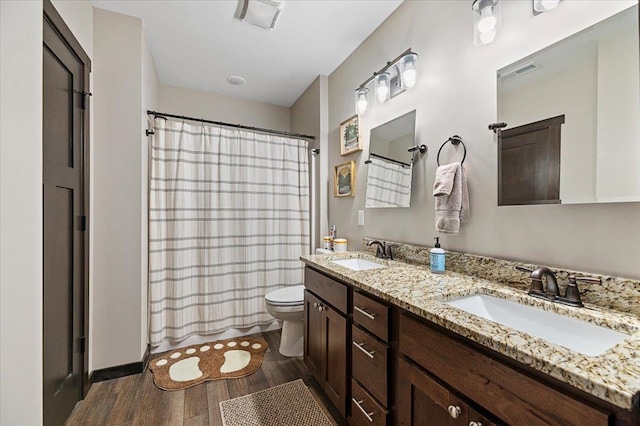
223, 359
290, 404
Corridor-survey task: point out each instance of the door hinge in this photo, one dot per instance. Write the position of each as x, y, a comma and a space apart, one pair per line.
83, 223
83, 342
85, 99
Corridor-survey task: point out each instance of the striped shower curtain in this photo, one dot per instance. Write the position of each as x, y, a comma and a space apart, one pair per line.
228, 220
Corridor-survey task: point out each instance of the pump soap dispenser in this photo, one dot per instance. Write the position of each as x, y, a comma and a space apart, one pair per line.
437, 258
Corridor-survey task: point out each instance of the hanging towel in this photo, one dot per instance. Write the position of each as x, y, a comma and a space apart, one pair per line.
451, 198
388, 184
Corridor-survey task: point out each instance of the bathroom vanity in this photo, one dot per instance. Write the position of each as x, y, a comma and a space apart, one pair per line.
388, 349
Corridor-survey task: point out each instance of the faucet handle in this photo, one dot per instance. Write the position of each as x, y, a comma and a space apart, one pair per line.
523, 269
589, 280
572, 295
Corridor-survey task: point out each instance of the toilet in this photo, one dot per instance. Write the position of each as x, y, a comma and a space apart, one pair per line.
287, 305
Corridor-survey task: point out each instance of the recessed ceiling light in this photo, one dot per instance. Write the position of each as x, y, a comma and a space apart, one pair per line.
262, 13
236, 80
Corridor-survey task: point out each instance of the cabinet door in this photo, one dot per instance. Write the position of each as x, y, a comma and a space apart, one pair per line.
335, 365
422, 401
314, 347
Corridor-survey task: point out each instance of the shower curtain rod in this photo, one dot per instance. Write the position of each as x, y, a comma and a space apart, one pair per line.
237, 126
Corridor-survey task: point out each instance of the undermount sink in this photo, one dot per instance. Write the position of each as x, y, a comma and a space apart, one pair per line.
579, 336
358, 264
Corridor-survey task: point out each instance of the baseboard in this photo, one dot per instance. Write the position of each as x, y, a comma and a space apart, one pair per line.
123, 370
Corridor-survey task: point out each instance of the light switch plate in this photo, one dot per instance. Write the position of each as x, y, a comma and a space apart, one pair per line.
360, 217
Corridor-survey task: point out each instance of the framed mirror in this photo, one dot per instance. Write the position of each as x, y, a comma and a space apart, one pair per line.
573, 115
390, 163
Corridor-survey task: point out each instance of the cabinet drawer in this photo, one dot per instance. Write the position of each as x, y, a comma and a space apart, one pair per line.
511, 395
330, 290
364, 409
369, 361
372, 315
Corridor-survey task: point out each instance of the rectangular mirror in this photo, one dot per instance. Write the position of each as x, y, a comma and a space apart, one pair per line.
573, 115
390, 163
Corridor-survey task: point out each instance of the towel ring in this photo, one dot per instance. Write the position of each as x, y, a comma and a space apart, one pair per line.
455, 140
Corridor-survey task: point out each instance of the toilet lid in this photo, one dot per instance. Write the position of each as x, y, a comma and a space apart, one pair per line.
286, 296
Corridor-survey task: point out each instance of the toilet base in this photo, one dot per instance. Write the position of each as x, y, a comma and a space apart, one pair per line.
292, 339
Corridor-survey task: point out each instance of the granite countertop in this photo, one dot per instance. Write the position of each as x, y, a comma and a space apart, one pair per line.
613, 376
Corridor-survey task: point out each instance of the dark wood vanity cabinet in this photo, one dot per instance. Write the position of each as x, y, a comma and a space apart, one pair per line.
325, 336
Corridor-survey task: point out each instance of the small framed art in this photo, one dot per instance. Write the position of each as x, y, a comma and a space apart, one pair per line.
350, 136
344, 180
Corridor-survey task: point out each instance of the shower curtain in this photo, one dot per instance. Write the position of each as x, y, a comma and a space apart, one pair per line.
228, 220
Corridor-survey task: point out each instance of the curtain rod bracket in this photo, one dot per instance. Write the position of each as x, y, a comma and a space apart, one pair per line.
149, 132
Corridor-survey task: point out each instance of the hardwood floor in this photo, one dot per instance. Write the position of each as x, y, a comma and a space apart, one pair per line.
135, 400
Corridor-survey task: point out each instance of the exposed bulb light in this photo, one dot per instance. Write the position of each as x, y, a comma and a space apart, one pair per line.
383, 87
408, 66
540, 6
486, 20
362, 100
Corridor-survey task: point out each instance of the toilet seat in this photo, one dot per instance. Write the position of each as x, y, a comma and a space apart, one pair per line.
286, 297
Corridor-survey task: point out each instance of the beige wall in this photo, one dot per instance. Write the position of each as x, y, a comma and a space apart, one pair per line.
125, 86
307, 114
21, 213
215, 107
456, 94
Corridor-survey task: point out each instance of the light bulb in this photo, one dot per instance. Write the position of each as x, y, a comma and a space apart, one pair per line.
382, 84
362, 103
409, 78
487, 22
486, 38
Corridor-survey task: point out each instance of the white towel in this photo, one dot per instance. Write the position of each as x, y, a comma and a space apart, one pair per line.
388, 184
451, 198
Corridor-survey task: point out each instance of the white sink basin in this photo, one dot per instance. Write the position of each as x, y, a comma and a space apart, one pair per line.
579, 336
358, 264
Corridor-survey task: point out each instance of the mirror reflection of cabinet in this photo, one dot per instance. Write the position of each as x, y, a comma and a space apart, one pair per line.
390, 163
592, 78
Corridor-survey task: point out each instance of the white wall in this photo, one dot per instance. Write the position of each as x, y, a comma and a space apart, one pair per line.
125, 84
457, 95
618, 118
307, 114
215, 107
21, 213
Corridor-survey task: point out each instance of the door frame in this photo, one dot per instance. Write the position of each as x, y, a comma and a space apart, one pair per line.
53, 18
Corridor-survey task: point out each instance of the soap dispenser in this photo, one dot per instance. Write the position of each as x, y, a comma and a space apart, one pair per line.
437, 258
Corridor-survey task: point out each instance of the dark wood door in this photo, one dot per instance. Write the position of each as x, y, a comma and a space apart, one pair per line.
314, 347
64, 129
422, 401
529, 163
335, 358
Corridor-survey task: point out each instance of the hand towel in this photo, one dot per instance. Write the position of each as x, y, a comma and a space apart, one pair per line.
451, 198
388, 184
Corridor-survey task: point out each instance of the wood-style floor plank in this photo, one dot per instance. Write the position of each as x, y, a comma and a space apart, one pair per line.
136, 401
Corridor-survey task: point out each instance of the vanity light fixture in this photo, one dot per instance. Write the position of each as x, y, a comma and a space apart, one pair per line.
540, 6
486, 21
397, 76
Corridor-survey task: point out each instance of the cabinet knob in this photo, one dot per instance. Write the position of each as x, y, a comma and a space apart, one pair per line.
320, 308
454, 411
475, 423
315, 304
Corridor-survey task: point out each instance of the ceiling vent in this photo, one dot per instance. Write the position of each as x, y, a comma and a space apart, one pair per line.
520, 71
261, 13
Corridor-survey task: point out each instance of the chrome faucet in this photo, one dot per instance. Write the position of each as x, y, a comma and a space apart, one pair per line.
383, 251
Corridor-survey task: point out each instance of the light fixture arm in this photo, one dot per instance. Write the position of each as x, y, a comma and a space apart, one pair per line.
390, 64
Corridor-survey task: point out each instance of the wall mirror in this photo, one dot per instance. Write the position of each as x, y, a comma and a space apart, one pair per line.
390, 163
573, 115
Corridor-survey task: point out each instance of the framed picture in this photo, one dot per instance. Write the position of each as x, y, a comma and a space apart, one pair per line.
350, 136
345, 180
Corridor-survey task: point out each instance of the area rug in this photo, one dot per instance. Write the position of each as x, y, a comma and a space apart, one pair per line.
290, 404
223, 359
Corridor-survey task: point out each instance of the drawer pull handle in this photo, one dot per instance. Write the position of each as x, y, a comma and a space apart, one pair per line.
454, 411
365, 313
475, 424
358, 404
366, 352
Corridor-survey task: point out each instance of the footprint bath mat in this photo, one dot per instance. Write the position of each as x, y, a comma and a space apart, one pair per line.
224, 359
